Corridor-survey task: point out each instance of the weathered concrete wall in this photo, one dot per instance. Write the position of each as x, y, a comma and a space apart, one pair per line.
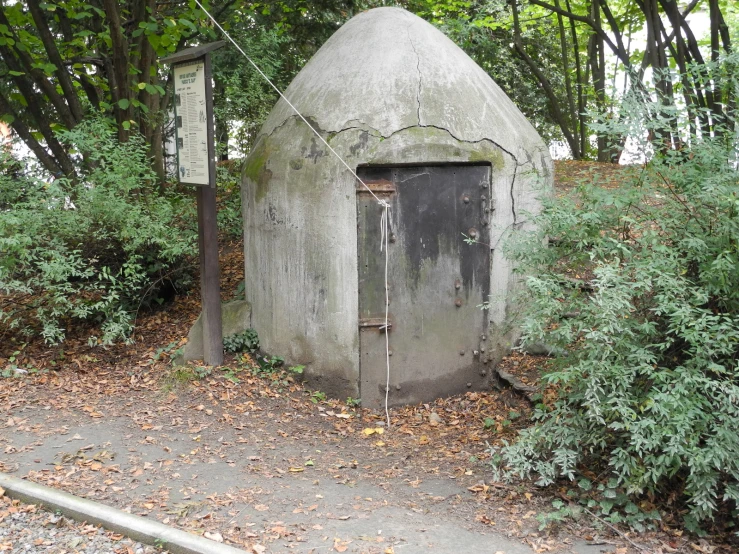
387, 88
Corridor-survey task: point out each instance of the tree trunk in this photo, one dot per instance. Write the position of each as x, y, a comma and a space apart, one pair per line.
573, 115
119, 62
598, 69
20, 127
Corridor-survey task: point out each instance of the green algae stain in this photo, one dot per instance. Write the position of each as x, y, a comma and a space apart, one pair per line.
487, 154
256, 170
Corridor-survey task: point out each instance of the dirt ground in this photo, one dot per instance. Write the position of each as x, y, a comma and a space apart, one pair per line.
260, 465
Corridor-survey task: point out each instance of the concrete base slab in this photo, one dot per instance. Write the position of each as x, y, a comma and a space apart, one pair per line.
236, 317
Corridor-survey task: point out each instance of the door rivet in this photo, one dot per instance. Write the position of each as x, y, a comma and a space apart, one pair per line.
483, 337
461, 352
483, 373
458, 302
473, 233
476, 353
482, 349
457, 284
397, 387
392, 237
469, 385
466, 199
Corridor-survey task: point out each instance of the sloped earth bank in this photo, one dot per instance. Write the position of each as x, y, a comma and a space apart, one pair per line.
268, 466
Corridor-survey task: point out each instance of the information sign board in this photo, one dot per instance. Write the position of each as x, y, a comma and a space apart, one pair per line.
196, 165
191, 121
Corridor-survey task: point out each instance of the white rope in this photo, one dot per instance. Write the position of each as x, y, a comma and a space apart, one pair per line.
384, 221
384, 234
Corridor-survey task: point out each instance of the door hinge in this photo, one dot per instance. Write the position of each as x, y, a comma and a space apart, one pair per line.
379, 186
377, 322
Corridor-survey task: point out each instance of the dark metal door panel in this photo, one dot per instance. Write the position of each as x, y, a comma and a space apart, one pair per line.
436, 281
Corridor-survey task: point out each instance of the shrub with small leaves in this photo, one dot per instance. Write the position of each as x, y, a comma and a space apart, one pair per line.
93, 249
647, 390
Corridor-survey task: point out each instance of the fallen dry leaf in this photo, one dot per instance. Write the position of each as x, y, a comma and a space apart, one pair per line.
373, 431
341, 546
213, 536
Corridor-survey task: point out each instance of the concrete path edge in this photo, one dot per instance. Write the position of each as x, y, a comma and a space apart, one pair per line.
135, 527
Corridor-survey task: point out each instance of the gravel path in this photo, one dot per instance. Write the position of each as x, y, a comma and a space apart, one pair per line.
26, 529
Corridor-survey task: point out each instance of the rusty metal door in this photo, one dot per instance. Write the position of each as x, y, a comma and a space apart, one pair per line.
436, 281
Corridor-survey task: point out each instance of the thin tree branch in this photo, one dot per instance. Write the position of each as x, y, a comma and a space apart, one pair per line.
588, 21
70, 94
26, 136
14, 57
546, 85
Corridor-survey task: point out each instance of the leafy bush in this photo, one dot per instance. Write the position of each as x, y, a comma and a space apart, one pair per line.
230, 218
92, 249
246, 341
647, 392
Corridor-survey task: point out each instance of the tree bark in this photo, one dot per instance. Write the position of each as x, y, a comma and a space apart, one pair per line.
598, 69
221, 126
581, 83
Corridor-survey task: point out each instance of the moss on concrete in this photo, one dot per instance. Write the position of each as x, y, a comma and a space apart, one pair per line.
256, 170
486, 153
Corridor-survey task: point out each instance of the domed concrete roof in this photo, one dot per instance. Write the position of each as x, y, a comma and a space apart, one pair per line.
387, 69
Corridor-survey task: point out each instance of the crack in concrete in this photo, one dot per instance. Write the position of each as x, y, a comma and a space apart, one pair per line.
323, 132
377, 133
420, 75
513, 199
458, 139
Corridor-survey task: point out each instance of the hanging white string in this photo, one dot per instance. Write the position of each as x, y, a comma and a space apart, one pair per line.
384, 234
384, 221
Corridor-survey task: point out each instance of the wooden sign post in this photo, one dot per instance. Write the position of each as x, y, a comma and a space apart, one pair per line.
196, 165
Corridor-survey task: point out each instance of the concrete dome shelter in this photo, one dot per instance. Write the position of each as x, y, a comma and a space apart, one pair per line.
431, 133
